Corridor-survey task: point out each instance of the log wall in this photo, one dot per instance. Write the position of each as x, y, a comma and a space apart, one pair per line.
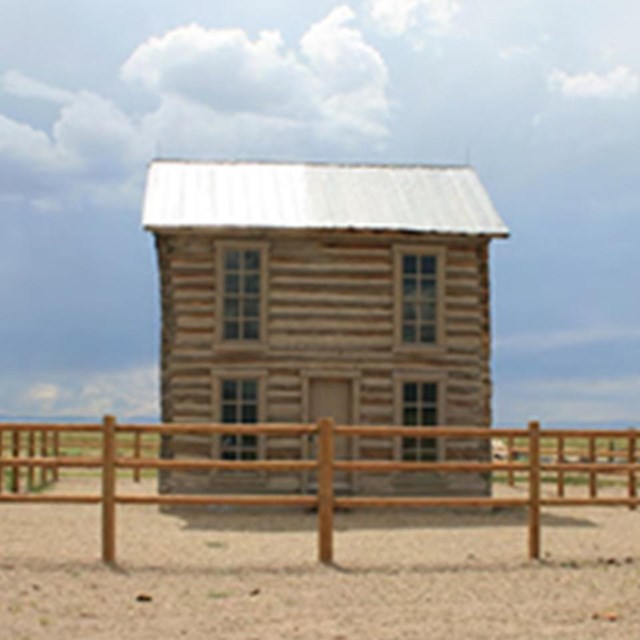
330, 308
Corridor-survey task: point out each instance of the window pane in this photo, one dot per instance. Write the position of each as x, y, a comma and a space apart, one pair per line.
409, 287
231, 283
410, 416
229, 390
408, 332
428, 312
231, 260
409, 264
410, 392
409, 311
252, 283
231, 307
251, 307
252, 260
409, 455
249, 413
228, 413
428, 264
249, 390
228, 440
427, 333
429, 417
427, 288
229, 454
429, 392
248, 455
248, 441
231, 330
251, 330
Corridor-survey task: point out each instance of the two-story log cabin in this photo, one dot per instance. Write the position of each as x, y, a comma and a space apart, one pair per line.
296, 291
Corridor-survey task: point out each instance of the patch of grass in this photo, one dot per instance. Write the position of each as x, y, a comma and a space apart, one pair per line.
216, 544
218, 595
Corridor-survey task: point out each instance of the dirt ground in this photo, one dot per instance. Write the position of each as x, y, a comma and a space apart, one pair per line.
239, 575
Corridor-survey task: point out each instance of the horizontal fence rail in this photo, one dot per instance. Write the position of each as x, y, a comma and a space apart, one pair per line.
37, 447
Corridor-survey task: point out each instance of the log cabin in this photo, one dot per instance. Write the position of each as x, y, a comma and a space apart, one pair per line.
294, 291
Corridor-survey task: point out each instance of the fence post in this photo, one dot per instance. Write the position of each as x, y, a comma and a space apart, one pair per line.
534, 490
15, 450
44, 453
633, 489
325, 491
108, 489
593, 458
560, 460
56, 455
1, 465
510, 474
31, 453
137, 449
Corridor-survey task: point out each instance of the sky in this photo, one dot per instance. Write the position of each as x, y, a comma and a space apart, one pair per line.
542, 97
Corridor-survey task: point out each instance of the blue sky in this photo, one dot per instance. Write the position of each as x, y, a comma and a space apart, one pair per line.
543, 98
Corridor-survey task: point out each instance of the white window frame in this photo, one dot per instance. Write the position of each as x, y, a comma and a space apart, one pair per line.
240, 344
233, 373
440, 380
439, 253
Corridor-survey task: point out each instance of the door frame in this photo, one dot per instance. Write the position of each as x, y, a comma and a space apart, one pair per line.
349, 375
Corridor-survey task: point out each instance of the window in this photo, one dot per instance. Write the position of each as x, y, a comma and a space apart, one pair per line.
419, 408
418, 296
241, 293
239, 403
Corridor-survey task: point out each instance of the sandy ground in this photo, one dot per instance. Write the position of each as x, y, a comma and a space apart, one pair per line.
250, 576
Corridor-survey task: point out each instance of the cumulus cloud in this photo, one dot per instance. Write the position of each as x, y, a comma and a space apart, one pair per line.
551, 341
217, 93
516, 51
398, 16
622, 82
334, 87
225, 70
17, 83
127, 393
576, 401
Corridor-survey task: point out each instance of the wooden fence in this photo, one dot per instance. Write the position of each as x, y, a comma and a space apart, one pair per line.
325, 464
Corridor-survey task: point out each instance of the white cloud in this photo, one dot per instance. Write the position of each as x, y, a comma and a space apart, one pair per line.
399, 16
571, 401
516, 51
622, 82
224, 70
537, 342
218, 93
253, 92
352, 73
18, 84
126, 393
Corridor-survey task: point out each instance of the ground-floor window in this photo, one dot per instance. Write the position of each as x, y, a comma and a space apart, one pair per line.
419, 408
239, 404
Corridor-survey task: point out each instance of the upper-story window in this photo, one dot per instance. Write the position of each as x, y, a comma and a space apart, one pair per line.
241, 293
418, 296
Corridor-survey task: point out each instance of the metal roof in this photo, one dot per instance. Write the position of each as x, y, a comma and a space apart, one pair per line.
436, 199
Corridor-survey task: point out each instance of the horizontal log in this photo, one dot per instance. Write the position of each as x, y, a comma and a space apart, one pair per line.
596, 467
374, 466
207, 428
414, 432
417, 502
222, 499
45, 497
50, 426
76, 462
589, 502
274, 466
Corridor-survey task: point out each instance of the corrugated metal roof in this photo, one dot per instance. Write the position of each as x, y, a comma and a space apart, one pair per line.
437, 199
